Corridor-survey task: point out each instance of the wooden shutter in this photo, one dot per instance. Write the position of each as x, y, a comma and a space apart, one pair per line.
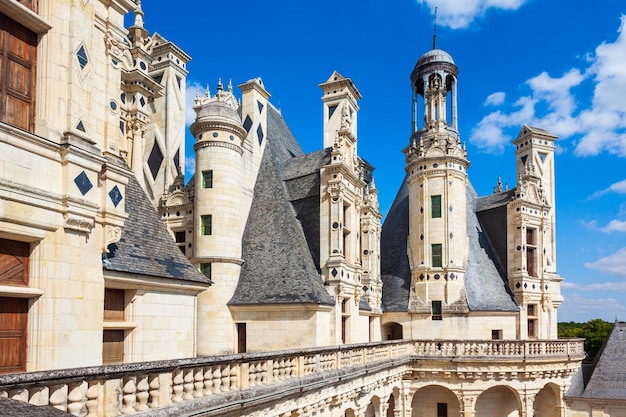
113, 305
13, 320
14, 260
31, 4
113, 346
18, 56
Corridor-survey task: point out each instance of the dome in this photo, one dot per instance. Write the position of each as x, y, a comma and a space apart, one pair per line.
434, 60
217, 111
434, 55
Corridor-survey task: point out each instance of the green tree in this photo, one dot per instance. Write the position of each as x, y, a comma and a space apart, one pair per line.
595, 332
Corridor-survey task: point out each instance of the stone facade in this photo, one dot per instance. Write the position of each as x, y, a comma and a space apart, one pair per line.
266, 284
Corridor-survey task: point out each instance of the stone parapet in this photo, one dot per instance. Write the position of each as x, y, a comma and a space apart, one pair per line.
219, 385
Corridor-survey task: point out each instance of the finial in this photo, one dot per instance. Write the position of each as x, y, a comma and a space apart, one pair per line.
138, 15
230, 85
197, 100
208, 92
435, 30
220, 87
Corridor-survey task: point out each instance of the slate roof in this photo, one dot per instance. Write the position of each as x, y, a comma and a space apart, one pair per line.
485, 282
279, 264
608, 378
146, 247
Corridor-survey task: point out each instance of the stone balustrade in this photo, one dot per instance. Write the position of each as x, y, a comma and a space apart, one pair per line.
133, 388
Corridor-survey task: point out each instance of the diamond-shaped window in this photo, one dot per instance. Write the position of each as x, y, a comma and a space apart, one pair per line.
83, 183
247, 124
80, 126
155, 159
81, 54
260, 106
115, 195
259, 133
142, 101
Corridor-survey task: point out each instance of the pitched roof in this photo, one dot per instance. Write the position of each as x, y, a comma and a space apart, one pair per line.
608, 378
485, 286
279, 266
146, 247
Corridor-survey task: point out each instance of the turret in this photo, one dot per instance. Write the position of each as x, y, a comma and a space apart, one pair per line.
220, 213
531, 229
436, 165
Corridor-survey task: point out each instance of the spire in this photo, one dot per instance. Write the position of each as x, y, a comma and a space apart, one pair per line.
138, 16
435, 30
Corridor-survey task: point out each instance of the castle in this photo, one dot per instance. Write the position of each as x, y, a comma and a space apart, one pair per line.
270, 266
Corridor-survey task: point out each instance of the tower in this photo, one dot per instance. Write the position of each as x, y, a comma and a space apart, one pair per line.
220, 212
349, 217
436, 164
531, 234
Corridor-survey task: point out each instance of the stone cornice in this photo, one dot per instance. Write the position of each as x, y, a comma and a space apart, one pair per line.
25, 16
218, 144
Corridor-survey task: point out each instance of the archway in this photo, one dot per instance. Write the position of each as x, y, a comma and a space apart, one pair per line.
391, 406
392, 331
373, 409
547, 402
349, 413
435, 401
500, 401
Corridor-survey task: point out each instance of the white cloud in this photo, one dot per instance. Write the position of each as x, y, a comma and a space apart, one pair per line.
618, 187
581, 308
495, 99
458, 14
190, 165
612, 264
615, 226
191, 91
600, 127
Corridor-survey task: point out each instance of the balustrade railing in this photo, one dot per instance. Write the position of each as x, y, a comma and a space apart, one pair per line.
113, 390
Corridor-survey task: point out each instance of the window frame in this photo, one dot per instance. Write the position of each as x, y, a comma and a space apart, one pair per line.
436, 251
206, 225
436, 311
207, 179
435, 206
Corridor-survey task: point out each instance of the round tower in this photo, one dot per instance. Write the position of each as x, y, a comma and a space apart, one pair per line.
219, 214
436, 164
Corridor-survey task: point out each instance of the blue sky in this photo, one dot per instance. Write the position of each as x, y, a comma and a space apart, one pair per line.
555, 64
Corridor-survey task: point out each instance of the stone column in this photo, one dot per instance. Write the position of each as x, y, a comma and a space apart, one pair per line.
469, 405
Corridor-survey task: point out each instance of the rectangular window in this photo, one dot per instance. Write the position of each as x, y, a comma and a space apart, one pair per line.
436, 310
496, 334
181, 238
206, 226
436, 255
531, 313
435, 206
14, 261
442, 410
205, 268
207, 179
18, 57
531, 252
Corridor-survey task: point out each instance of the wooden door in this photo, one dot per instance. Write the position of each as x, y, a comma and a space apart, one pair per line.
241, 338
13, 320
14, 259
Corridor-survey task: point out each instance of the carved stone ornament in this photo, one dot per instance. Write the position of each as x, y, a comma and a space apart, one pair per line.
78, 223
115, 47
112, 234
